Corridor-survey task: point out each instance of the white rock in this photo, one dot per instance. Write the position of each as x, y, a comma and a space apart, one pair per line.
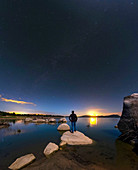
40, 120
134, 94
50, 148
47, 121
63, 126
34, 121
28, 119
52, 120
62, 120
62, 143
76, 138
22, 161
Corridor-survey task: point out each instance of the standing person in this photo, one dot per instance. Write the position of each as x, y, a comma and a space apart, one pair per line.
73, 119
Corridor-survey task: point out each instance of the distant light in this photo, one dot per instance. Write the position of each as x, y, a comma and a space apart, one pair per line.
93, 121
92, 113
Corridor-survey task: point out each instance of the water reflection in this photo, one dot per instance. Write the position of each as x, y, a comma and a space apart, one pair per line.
19, 121
93, 121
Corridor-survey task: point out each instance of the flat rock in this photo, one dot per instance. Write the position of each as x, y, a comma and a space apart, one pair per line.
50, 148
63, 126
76, 138
22, 161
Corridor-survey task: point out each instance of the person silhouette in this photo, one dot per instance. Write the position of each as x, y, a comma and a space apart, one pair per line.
73, 118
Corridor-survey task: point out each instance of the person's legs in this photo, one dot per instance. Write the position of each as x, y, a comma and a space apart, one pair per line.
74, 126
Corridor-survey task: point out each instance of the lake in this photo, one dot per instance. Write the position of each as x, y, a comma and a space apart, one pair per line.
105, 151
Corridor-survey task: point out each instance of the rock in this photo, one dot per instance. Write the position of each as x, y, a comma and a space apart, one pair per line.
39, 121
51, 120
62, 120
116, 126
22, 161
76, 138
46, 120
63, 126
4, 125
28, 119
62, 143
134, 142
128, 123
50, 148
134, 94
34, 121
19, 130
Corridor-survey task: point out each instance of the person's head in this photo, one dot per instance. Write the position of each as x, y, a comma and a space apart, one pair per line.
72, 111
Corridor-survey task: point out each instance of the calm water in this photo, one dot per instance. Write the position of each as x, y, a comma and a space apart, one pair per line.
33, 139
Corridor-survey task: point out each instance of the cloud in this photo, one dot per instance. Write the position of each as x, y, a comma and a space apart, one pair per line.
16, 101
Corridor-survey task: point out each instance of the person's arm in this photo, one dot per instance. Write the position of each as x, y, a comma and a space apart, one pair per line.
76, 118
69, 118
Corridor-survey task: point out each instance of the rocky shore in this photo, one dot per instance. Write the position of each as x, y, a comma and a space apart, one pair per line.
65, 159
76, 138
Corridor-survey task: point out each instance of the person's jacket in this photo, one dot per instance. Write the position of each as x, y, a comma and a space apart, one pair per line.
73, 118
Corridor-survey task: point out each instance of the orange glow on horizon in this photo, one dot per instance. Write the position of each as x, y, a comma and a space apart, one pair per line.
23, 113
93, 113
97, 112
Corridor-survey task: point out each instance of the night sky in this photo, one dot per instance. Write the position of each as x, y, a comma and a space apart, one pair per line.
63, 55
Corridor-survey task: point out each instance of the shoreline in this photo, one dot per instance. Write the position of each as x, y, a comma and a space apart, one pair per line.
64, 159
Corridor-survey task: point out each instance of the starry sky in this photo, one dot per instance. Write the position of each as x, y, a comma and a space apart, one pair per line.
63, 55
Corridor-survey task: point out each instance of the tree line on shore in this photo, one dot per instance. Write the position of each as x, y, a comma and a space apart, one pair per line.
3, 113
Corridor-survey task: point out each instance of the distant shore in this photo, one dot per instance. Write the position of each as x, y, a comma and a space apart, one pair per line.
7, 115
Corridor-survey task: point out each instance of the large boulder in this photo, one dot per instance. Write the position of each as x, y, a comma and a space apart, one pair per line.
62, 120
22, 161
63, 126
128, 124
76, 138
50, 148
